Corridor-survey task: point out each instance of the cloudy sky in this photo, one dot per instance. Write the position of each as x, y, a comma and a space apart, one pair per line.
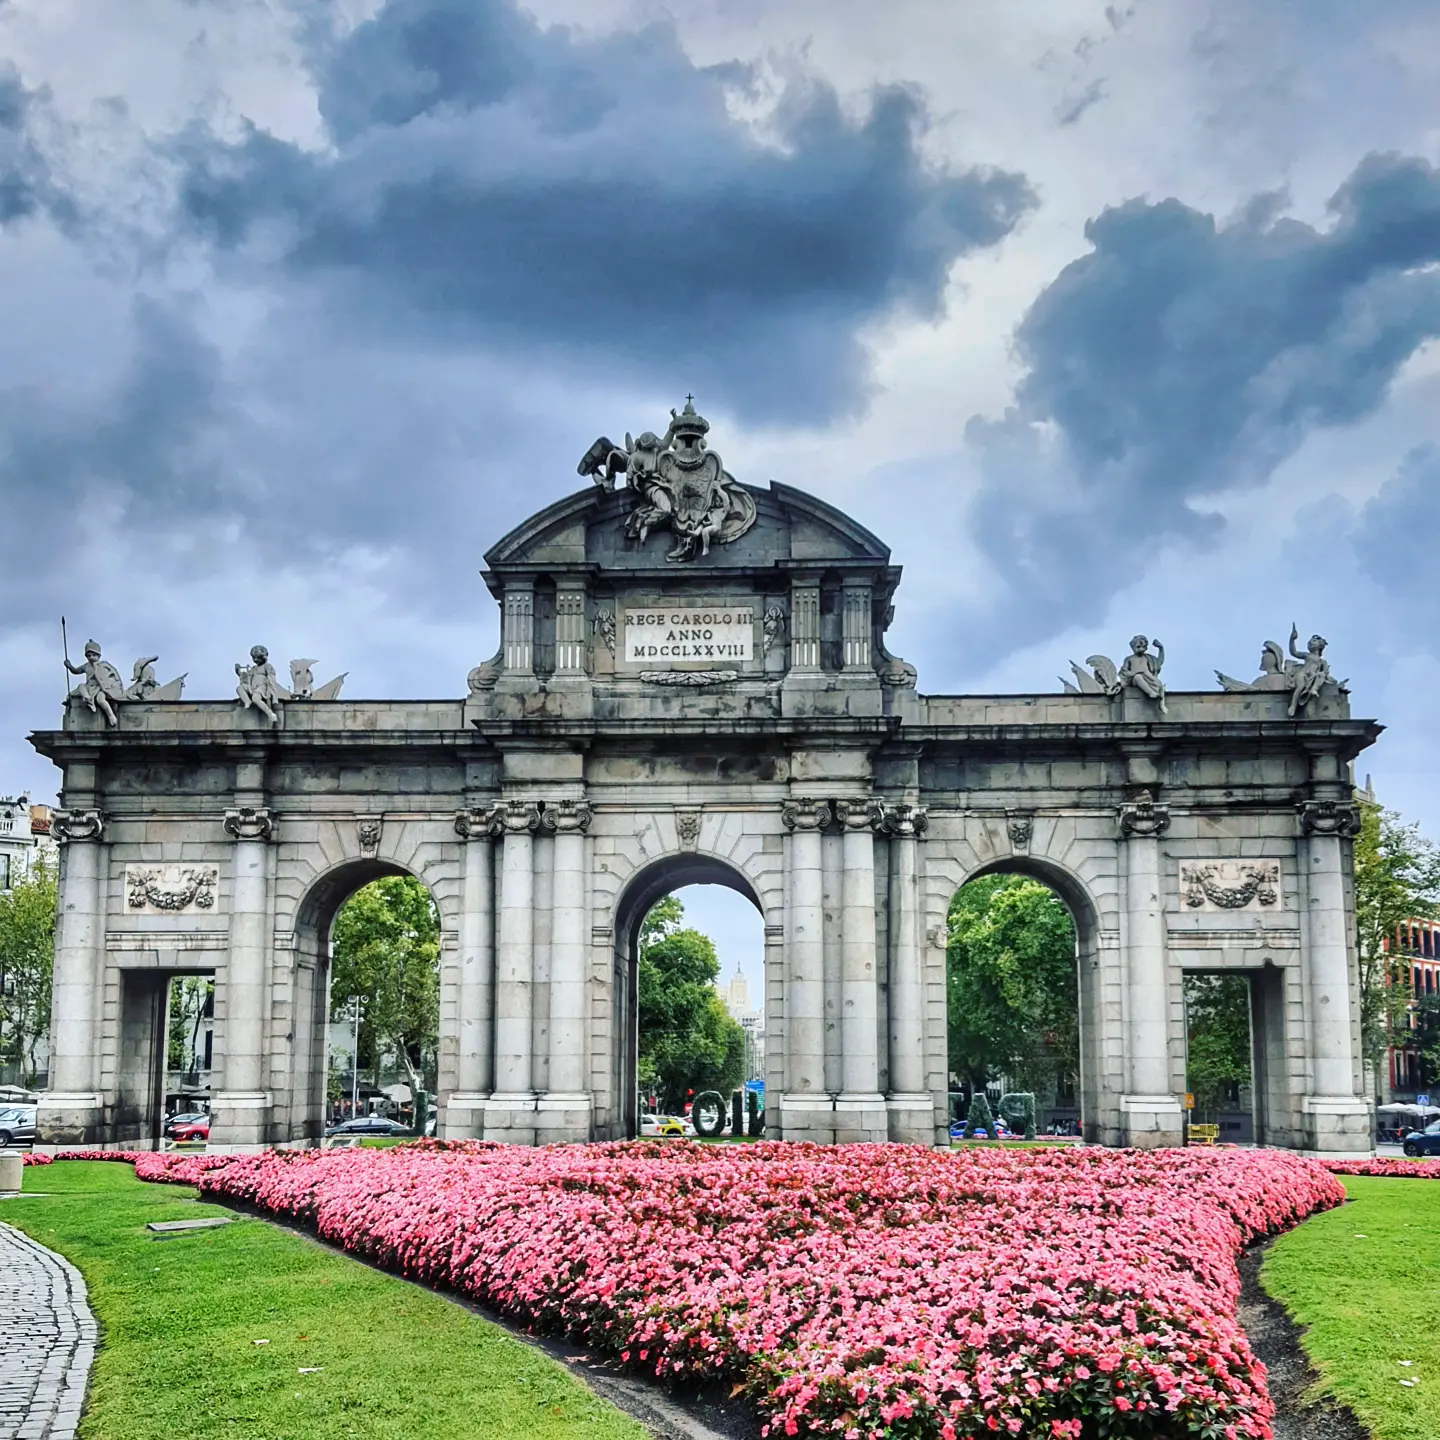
1105, 317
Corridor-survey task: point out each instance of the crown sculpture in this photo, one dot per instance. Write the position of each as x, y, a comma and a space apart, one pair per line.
679, 485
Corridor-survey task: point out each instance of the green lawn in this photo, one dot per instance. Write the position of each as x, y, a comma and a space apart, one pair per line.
179, 1318
1370, 1302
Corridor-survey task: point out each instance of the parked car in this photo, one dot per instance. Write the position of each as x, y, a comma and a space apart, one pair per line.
197, 1129
1423, 1142
1002, 1131
185, 1117
17, 1125
657, 1125
368, 1125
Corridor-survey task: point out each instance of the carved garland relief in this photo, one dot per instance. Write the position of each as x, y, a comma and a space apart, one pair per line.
1230, 884
170, 889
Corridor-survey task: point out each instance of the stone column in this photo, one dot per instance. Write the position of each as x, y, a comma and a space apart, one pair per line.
1151, 1110
70, 1110
475, 1070
860, 1113
911, 1108
564, 1110
240, 1113
808, 1113
510, 1111
1335, 1117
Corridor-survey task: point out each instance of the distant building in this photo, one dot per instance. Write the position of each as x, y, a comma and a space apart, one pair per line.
24, 835
736, 996
1416, 945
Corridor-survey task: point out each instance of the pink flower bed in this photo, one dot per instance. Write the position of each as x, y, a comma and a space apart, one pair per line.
854, 1291
1390, 1166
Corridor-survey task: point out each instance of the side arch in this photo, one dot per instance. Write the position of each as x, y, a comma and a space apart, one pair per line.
1100, 1089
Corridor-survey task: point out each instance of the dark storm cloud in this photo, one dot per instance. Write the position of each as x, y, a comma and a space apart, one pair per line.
1182, 358
496, 181
1396, 539
27, 185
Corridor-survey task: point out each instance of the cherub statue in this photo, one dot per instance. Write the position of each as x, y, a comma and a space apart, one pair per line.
1312, 674
258, 687
1141, 670
102, 685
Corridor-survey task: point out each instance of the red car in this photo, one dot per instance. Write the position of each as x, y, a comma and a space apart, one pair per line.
192, 1130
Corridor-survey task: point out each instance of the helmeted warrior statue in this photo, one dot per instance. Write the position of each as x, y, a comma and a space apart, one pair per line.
102, 685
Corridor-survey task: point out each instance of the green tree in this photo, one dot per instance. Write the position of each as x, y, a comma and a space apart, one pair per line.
189, 1000
688, 1040
27, 954
385, 948
1013, 991
1217, 1029
1397, 878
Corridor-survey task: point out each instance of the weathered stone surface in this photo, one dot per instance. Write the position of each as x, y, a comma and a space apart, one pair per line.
569, 790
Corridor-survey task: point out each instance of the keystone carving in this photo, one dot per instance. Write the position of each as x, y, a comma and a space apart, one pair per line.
68, 825
1230, 884
1021, 829
171, 888
567, 817
1142, 818
1329, 817
368, 832
250, 823
806, 814
687, 827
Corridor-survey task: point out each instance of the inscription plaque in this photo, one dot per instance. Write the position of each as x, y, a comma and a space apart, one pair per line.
699, 634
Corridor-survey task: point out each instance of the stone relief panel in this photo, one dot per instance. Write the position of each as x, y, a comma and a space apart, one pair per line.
171, 889
1230, 885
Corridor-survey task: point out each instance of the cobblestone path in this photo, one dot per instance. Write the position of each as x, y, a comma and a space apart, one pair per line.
47, 1341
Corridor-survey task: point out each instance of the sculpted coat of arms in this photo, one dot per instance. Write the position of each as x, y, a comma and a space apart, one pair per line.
678, 484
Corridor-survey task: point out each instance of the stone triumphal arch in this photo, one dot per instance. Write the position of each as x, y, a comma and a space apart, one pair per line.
693, 685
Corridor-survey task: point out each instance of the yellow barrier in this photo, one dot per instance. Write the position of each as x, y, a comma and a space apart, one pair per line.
1203, 1134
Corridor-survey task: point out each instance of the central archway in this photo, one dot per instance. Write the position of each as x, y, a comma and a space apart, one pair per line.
647, 886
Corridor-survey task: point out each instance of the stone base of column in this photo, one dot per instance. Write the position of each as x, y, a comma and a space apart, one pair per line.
239, 1121
66, 1120
911, 1119
1149, 1122
462, 1117
861, 1119
560, 1117
1338, 1126
806, 1117
510, 1118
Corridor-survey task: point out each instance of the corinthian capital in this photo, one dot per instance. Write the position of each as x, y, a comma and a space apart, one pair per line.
1329, 817
806, 814
250, 823
567, 817
68, 826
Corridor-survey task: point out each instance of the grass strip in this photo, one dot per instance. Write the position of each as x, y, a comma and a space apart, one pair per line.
349, 1352
1365, 1280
